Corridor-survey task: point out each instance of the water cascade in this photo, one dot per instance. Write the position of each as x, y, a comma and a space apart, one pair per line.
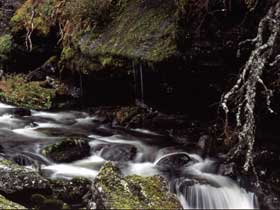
194, 180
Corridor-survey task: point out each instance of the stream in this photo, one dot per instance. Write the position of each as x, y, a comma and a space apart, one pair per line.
194, 179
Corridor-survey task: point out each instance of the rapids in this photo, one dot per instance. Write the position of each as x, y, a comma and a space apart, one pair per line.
196, 183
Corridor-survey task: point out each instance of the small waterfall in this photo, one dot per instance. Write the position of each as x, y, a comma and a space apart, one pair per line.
200, 189
138, 76
141, 82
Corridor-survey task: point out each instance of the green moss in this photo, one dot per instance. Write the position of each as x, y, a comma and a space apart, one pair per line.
134, 192
67, 53
6, 204
5, 45
16, 90
137, 32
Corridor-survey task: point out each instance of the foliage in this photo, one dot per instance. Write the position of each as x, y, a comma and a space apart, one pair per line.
16, 90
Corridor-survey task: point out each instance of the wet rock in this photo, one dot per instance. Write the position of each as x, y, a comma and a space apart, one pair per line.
71, 191
113, 191
17, 112
205, 143
23, 160
47, 69
21, 112
68, 150
6, 204
173, 162
19, 183
269, 202
116, 152
228, 170
183, 183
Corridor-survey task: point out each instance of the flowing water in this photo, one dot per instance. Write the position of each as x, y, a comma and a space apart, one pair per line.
194, 180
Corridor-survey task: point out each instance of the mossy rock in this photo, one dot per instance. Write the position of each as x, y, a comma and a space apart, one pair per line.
6, 204
132, 192
68, 150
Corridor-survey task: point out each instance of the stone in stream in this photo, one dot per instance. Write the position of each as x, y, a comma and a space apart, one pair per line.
19, 183
112, 190
18, 112
68, 150
173, 162
116, 152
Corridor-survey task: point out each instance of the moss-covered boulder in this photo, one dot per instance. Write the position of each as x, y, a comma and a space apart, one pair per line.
6, 204
114, 191
103, 34
138, 30
68, 150
19, 183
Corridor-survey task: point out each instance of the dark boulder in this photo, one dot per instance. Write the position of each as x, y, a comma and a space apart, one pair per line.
71, 191
20, 112
68, 150
47, 69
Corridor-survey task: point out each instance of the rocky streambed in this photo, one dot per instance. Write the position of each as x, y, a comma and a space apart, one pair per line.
73, 159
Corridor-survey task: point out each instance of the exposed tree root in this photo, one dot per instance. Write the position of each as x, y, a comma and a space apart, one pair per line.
30, 28
243, 94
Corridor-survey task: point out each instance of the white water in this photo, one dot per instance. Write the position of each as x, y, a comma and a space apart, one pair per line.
220, 193
210, 191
